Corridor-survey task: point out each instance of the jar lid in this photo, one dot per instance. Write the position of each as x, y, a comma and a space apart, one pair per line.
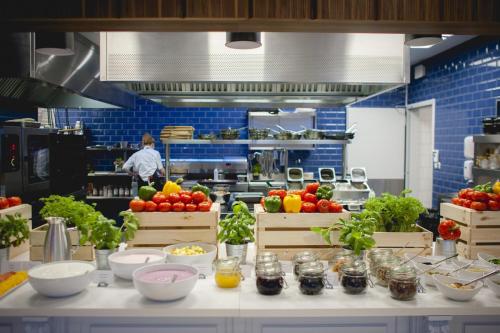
269, 270
305, 256
379, 251
266, 257
387, 259
313, 268
403, 272
264, 265
229, 263
356, 266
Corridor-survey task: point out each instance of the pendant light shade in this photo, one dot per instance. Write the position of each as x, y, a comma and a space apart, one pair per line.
55, 43
243, 40
422, 40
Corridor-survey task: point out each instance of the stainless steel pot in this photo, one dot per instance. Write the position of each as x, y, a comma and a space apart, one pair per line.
312, 134
258, 133
229, 134
101, 258
239, 251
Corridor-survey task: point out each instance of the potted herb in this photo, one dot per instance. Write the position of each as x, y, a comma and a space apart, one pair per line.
356, 233
13, 231
106, 236
237, 231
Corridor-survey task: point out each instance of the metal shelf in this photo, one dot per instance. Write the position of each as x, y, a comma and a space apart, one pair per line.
111, 149
487, 138
486, 172
109, 198
108, 174
275, 143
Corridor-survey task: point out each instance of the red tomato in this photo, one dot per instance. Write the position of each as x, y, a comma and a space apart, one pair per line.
159, 197
186, 198
173, 198
150, 206
198, 197
178, 206
190, 207
312, 188
323, 206
262, 202
164, 207
298, 192
309, 197
462, 194
479, 196
204, 206
449, 230
494, 197
4, 203
455, 201
477, 205
137, 205
185, 192
335, 207
493, 205
466, 203
308, 207
280, 193
14, 201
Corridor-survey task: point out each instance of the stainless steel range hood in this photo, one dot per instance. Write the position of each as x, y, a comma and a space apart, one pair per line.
56, 81
290, 69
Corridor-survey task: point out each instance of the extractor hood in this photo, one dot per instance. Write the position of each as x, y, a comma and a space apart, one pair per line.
289, 69
56, 81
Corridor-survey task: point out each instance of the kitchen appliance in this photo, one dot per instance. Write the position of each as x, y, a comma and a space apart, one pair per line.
327, 176
57, 244
294, 178
354, 191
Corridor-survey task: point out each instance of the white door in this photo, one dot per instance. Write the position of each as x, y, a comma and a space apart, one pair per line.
420, 151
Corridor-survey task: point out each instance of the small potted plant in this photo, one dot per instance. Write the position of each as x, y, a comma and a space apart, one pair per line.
13, 231
106, 236
237, 231
356, 233
119, 164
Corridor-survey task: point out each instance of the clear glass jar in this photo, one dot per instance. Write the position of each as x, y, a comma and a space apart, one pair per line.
354, 277
302, 258
228, 272
311, 278
269, 279
374, 254
383, 267
403, 282
341, 258
266, 257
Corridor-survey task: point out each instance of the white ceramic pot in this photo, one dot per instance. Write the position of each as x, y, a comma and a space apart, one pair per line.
123, 267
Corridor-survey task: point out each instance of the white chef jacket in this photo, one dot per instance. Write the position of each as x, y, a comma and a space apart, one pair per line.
145, 162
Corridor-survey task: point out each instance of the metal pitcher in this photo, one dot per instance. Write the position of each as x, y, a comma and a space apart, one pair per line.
57, 245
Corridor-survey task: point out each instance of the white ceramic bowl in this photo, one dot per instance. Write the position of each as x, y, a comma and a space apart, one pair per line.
485, 257
125, 269
422, 259
428, 277
443, 284
61, 278
474, 271
493, 283
201, 259
165, 291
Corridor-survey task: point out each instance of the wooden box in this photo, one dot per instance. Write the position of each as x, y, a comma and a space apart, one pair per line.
480, 230
287, 234
37, 240
25, 211
157, 229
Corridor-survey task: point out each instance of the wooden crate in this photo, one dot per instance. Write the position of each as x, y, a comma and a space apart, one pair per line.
287, 234
480, 230
37, 241
25, 211
159, 229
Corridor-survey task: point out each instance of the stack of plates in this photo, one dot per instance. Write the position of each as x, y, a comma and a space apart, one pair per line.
177, 132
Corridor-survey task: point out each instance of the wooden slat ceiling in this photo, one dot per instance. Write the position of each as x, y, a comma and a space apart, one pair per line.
476, 17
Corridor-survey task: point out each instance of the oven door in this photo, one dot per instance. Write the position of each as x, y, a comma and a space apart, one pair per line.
11, 160
36, 165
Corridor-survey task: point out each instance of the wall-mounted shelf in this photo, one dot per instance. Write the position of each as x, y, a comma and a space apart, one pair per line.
487, 138
272, 143
486, 172
109, 198
108, 174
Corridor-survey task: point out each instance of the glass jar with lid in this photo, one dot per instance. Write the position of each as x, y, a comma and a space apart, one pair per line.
228, 272
269, 278
266, 257
374, 254
383, 266
312, 278
403, 282
354, 277
341, 258
302, 258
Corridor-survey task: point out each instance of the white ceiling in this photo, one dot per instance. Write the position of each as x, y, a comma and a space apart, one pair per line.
419, 55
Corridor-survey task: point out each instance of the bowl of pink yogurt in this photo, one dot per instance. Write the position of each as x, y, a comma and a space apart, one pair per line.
124, 263
165, 282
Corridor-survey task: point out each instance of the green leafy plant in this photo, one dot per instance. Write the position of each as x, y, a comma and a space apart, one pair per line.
13, 230
355, 233
104, 234
394, 213
237, 228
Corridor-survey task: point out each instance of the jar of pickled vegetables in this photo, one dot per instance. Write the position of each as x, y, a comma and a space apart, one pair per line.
354, 277
403, 282
269, 278
383, 267
228, 272
311, 278
302, 258
341, 258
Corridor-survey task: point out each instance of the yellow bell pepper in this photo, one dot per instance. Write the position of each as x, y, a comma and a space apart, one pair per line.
496, 187
292, 203
171, 187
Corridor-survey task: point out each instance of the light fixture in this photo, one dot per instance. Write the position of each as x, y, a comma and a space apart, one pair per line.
303, 101
422, 41
199, 100
255, 100
55, 43
243, 40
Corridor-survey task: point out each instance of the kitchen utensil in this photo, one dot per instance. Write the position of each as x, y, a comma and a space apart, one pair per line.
200, 259
124, 269
410, 259
443, 283
459, 269
57, 244
447, 258
258, 133
230, 133
496, 271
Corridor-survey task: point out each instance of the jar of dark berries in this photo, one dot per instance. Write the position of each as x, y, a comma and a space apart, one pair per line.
311, 278
269, 278
354, 277
403, 282
302, 258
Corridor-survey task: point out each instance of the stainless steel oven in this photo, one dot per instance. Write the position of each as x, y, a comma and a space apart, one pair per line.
24, 156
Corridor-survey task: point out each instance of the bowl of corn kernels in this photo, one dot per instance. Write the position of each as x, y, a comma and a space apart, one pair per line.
191, 253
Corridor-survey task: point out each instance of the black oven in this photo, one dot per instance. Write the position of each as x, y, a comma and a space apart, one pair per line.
25, 160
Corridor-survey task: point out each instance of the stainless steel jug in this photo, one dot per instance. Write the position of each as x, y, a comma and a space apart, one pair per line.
57, 245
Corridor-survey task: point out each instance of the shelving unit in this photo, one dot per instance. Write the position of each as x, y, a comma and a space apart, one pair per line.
482, 142
285, 145
109, 198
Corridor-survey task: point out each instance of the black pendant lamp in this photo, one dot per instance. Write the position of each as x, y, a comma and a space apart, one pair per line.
422, 40
55, 43
243, 40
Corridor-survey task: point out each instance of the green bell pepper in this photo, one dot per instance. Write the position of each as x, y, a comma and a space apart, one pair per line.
201, 188
272, 204
324, 192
